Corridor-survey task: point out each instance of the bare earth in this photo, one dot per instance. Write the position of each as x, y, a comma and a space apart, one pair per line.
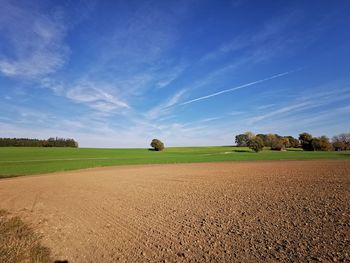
234, 211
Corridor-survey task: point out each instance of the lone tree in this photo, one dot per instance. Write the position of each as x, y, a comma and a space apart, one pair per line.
256, 144
157, 145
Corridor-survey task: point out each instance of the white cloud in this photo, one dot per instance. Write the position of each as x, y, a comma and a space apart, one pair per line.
36, 40
96, 97
57, 87
134, 56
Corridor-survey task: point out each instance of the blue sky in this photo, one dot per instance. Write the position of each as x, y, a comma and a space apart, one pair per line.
119, 73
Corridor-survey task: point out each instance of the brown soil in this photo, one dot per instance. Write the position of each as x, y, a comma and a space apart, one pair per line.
249, 211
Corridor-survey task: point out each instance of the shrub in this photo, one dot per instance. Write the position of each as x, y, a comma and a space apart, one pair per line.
256, 144
157, 145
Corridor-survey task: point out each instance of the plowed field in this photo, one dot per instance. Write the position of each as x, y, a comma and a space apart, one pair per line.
233, 211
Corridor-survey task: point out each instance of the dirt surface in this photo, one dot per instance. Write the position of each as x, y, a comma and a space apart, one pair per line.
288, 211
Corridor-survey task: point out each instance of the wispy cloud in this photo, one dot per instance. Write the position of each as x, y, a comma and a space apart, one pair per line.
170, 76
165, 106
134, 55
36, 40
286, 109
268, 34
304, 103
96, 97
236, 88
235, 113
271, 39
56, 86
266, 106
198, 124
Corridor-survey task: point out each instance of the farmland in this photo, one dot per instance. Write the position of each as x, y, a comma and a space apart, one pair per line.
16, 161
181, 204
274, 211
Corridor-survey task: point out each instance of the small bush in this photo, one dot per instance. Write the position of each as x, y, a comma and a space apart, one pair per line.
256, 144
157, 145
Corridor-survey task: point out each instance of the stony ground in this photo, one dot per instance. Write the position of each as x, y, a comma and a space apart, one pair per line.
288, 211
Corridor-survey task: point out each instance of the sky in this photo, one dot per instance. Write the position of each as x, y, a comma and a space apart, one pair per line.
190, 73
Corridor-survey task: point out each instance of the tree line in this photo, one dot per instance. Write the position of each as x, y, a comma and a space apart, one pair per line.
305, 141
26, 142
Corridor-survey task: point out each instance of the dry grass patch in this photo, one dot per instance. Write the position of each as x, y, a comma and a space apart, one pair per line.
18, 242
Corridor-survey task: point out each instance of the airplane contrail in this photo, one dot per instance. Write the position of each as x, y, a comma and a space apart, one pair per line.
236, 88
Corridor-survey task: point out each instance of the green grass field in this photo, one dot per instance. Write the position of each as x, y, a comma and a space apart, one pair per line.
16, 161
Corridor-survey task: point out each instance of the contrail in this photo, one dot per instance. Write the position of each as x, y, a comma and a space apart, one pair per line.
236, 88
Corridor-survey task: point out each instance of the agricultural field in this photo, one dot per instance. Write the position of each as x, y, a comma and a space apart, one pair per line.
205, 204
275, 211
16, 161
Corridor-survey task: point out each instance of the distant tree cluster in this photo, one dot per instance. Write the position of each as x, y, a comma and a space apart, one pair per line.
339, 142
25, 142
310, 143
306, 141
273, 141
